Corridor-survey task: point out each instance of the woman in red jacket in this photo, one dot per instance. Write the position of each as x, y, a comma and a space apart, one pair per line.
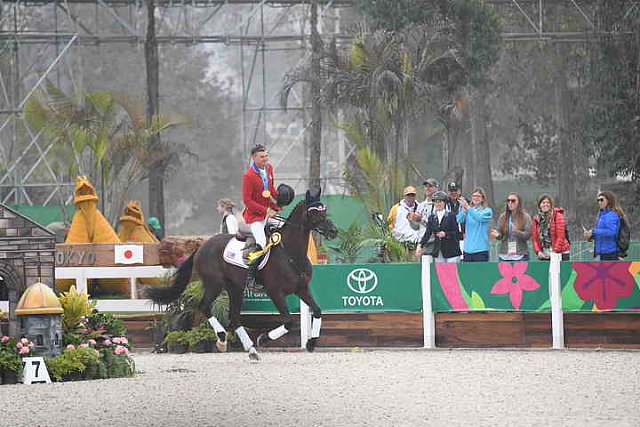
549, 231
259, 196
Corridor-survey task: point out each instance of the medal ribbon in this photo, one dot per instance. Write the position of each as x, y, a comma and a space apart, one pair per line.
263, 175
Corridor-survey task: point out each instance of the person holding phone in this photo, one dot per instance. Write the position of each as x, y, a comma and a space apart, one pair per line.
476, 216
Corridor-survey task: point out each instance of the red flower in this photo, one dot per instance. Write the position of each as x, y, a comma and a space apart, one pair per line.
514, 282
603, 282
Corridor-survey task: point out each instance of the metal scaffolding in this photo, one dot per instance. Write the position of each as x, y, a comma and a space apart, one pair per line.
261, 30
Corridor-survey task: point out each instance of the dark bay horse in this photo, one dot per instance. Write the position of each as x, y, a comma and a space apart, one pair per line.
288, 271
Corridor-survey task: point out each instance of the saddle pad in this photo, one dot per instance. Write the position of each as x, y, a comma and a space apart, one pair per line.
233, 254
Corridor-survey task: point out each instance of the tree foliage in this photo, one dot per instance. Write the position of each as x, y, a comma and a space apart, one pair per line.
104, 136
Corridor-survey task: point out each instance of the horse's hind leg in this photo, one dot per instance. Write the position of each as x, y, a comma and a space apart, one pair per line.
236, 296
280, 302
316, 323
211, 291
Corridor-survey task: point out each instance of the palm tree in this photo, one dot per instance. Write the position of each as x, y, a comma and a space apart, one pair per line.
104, 136
384, 80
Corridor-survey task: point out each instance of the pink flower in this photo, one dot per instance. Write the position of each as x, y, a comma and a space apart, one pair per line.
117, 340
514, 282
603, 282
4, 339
24, 341
121, 350
124, 340
23, 350
84, 345
91, 342
19, 345
71, 346
106, 342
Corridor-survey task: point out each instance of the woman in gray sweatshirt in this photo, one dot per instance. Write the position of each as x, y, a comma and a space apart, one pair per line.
514, 231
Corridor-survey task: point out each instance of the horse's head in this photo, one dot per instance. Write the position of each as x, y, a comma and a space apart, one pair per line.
317, 216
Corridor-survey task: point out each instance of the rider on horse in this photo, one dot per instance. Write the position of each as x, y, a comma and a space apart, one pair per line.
259, 196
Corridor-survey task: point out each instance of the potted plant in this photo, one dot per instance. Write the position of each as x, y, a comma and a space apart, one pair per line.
10, 367
201, 339
176, 342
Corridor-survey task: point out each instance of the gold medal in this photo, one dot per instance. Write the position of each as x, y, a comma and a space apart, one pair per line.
266, 194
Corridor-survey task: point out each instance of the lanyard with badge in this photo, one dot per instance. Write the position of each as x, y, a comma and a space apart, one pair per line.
512, 247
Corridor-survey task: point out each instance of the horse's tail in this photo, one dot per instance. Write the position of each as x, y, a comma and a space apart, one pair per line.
180, 280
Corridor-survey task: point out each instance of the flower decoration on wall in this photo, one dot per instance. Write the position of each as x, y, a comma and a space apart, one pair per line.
603, 282
514, 282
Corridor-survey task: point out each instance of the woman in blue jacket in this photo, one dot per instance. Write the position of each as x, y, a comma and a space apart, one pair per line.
477, 217
605, 234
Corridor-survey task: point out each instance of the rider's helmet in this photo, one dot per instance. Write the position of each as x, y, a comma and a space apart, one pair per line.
439, 195
285, 195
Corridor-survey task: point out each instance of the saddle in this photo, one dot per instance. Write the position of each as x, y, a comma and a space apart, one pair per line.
238, 248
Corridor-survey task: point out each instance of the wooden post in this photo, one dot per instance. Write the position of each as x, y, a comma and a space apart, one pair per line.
428, 320
555, 297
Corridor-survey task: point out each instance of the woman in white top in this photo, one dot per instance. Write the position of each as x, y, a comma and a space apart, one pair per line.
229, 223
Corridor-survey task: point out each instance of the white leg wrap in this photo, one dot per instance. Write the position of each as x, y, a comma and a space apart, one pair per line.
315, 327
244, 338
277, 332
216, 325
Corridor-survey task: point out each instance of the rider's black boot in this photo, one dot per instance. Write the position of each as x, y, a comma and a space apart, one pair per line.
252, 281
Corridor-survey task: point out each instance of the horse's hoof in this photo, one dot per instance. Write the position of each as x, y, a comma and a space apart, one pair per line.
222, 346
262, 340
311, 344
253, 354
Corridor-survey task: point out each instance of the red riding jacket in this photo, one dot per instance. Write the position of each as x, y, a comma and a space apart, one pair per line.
558, 228
255, 204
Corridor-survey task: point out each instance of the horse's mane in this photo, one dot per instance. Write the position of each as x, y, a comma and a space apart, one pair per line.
295, 211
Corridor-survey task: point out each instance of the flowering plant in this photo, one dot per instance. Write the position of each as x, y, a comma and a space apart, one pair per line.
21, 347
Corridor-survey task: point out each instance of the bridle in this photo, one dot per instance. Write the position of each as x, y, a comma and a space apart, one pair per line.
315, 226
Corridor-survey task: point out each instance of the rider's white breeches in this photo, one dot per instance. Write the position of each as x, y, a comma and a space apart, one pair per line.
257, 229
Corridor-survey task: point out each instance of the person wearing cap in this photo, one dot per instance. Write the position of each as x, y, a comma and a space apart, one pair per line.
229, 223
155, 227
443, 227
477, 218
407, 226
259, 197
425, 208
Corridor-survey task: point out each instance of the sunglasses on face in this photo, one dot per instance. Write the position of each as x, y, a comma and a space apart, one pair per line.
601, 199
512, 200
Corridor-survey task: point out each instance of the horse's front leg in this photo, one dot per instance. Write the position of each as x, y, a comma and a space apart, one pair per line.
316, 322
236, 296
279, 300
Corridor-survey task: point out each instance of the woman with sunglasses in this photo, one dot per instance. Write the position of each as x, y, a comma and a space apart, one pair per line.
605, 234
514, 230
549, 230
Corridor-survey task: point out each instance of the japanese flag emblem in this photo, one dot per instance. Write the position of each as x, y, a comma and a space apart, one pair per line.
128, 254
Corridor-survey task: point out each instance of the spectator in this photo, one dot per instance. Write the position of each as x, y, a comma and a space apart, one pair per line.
605, 234
443, 226
155, 227
425, 208
549, 230
229, 224
514, 230
407, 228
476, 217
453, 205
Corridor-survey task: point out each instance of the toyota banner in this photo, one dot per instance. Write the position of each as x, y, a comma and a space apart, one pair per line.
367, 287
